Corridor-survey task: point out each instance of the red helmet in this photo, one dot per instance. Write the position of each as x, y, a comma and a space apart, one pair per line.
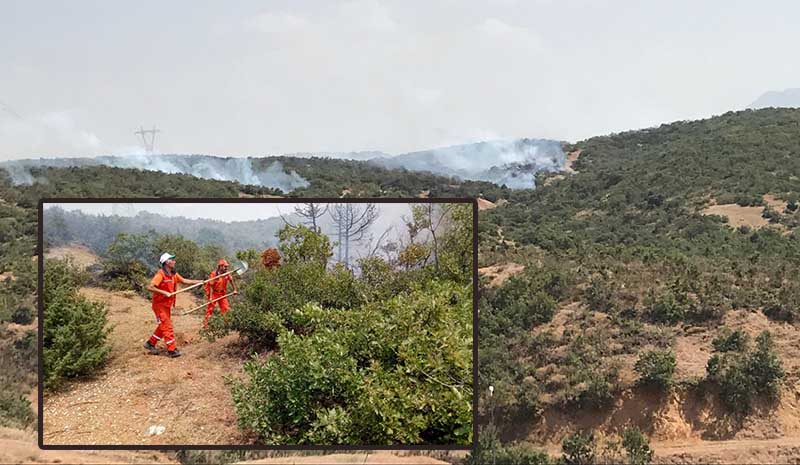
222, 263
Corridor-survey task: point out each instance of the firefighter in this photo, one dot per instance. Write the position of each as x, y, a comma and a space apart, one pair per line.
216, 288
163, 286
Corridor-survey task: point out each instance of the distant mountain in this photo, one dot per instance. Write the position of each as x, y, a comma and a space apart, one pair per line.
510, 162
789, 98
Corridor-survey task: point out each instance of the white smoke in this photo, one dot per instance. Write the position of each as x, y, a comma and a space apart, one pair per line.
46, 132
202, 166
510, 162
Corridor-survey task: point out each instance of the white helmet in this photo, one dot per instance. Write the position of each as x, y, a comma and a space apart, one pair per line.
165, 256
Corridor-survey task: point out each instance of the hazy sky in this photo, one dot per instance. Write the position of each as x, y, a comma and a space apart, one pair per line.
261, 78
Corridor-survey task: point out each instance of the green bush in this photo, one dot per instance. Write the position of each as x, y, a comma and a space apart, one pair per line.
15, 410
397, 371
74, 329
670, 308
730, 341
637, 447
578, 449
656, 367
489, 450
784, 305
599, 296
743, 376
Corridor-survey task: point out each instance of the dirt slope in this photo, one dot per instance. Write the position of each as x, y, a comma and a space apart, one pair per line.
186, 395
80, 254
686, 427
20, 447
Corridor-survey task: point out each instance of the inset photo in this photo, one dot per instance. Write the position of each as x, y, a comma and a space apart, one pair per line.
257, 323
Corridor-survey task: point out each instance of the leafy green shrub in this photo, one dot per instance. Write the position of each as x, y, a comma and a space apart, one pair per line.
656, 367
637, 447
670, 308
730, 341
382, 373
742, 376
128, 260
15, 410
578, 449
489, 450
74, 329
599, 296
524, 303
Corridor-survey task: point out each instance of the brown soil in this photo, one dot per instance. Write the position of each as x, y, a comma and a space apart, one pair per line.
498, 274
484, 204
572, 157
136, 390
777, 204
424, 194
18, 446
739, 216
80, 254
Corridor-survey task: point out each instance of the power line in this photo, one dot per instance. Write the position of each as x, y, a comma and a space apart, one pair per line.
149, 142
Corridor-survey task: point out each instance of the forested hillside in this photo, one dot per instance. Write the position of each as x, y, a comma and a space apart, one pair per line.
663, 270
658, 281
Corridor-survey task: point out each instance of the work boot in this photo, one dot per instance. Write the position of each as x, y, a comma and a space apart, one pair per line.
150, 347
174, 353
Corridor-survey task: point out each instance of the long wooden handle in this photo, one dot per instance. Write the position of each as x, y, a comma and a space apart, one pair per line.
205, 304
204, 282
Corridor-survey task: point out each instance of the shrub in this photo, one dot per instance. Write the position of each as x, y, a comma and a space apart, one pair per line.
784, 305
74, 328
524, 305
489, 450
599, 296
730, 341
22, 315
381, 373
656, 368
128, 260
743, 376
15, 410
578, 449
637, 447
670, 308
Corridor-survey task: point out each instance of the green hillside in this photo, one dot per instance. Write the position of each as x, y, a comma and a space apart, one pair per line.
635, 281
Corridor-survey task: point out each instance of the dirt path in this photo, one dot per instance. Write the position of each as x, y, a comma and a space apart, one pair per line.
186, 395
783, 450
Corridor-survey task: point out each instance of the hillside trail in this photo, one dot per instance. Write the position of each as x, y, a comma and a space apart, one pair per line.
135, 391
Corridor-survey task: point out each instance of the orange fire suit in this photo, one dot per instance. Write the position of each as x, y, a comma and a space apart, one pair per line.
162, 307
214, 290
